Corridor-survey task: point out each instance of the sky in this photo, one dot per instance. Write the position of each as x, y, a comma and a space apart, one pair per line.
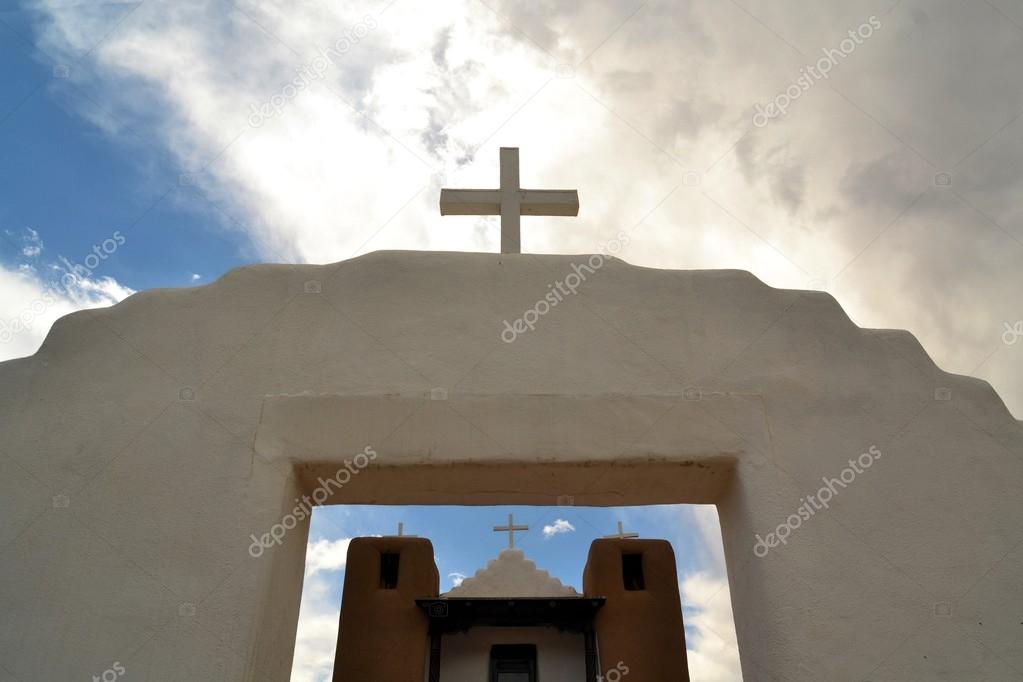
868, 149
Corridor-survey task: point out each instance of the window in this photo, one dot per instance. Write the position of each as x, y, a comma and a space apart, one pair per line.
513, 663
389, 570
632, 571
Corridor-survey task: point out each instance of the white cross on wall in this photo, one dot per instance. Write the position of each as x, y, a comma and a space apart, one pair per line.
511, 529
510, 201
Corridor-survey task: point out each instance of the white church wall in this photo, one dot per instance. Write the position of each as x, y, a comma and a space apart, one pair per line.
559, 655
144, 445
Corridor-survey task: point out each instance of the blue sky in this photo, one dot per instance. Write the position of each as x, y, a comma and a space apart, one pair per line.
69, 181
130, 159
463, 540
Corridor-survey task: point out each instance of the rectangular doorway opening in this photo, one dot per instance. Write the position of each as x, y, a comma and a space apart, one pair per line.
557, 539
513, 663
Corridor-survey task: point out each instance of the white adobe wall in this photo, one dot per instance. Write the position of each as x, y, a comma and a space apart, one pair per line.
511, 574
145, 444
559, 655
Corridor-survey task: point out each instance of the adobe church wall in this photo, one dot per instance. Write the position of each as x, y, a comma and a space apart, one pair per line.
144, 444
638, 629
383, 635
559, 655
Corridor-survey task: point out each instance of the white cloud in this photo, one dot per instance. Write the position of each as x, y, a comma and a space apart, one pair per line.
559, 526
709, 525
32, 244
456, 579
29, 304
316, 640
326, 555
712, 649
318, 619
196, 277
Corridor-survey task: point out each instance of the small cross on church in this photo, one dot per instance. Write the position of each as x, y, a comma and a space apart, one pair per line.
401, 532
510, 201
511, 528
621, 534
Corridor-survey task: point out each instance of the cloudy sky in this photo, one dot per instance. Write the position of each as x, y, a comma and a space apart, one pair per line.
870, 149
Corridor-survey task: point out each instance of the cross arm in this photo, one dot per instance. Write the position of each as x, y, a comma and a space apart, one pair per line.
549, 202
470, 202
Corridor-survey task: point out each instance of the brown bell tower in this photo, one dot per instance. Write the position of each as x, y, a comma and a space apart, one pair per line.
383, 579
640, 625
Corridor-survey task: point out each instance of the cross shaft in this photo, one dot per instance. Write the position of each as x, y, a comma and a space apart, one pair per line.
511, 529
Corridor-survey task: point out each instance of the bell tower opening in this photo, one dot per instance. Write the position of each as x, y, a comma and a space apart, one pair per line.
389, 563
632, 572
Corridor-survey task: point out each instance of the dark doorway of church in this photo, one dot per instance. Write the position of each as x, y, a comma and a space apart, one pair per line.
513, 663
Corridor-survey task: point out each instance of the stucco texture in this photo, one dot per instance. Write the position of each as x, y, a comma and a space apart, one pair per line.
145, 445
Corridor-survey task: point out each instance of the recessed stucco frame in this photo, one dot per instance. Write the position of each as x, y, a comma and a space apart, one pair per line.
317, 437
